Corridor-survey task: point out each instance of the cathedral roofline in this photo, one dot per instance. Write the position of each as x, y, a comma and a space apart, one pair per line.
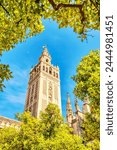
5, 118
7, 122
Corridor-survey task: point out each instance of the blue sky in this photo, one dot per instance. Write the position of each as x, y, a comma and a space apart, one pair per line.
66, 51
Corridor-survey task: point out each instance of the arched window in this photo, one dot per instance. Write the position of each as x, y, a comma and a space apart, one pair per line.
57, 75
50, 70
47, 60
54, 74
43, 68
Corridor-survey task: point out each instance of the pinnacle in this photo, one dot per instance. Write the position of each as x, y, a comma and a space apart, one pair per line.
68, 98
45, 51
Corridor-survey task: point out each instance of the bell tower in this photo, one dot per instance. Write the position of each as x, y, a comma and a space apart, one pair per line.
43, 85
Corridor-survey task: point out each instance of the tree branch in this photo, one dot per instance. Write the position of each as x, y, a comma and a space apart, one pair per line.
19, 21
9, 13
53, 4
58, 6
5, 9
37, 1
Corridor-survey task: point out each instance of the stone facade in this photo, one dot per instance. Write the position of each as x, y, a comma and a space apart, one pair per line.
44, 88
75, 119
7, 122
43, 85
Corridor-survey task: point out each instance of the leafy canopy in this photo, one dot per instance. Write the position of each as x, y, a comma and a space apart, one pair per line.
87, 80
91, 128
5, 74
23, 18
51, 120
33, 133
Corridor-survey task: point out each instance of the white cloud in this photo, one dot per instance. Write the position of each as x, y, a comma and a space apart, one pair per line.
15, 91
20, 77
18, 97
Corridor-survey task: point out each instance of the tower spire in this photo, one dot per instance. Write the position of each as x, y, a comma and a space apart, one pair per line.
45, 48
76, 105
45, 56
69, 108
45, 51
69, 113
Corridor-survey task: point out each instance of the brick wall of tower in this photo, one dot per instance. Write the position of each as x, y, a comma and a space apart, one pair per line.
43, 86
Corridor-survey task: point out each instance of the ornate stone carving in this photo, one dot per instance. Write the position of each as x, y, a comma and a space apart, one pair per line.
50, 91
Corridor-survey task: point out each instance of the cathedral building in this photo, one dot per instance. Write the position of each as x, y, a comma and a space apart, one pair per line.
74, 119
43, 85
44, 88
7, 122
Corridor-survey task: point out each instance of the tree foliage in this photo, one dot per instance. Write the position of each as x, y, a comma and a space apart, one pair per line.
23, 18
90, 128
32, 134
5, 74
51, 120
94, 145
87, 80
